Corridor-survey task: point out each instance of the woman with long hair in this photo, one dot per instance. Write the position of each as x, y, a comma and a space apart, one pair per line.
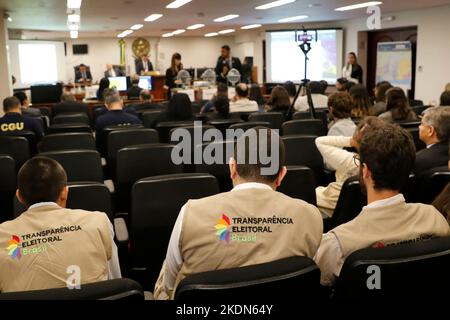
361, 101
279, 100
380, 97
255, 94
352, 71
397, 107
171, 74
178, 109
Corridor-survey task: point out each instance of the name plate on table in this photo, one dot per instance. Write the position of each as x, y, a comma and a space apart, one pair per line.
189, 92
208, 94
231, 92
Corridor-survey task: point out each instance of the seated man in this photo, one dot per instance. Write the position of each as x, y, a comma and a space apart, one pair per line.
47, 242
320, 100
253, 223
387, 155
435, 132
14, 122
113, 71
134, 91
69, 104
25, 105
83, 75
115, 116
241, 102
145, 99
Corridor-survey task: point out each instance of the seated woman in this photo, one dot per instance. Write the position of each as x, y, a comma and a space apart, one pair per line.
380, 97
222, 110
222, 91
279, 101
343, 161
340, 106
361, 101
255, 94
179, 109
397, 107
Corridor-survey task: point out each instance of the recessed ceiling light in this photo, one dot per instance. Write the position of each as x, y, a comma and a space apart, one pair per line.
153, 17
212, 34
226, 31
359, 6
74, 27
296, 18
74, 34
177, 3
167, 35
137, 27
179, 31
251, 26
274, 4
73, 18
195, 26
226, 18
74, 4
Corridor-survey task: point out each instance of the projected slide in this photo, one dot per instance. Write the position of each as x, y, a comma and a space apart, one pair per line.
38, 63
285, 61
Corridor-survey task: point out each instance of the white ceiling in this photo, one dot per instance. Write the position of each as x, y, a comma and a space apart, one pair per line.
106, 18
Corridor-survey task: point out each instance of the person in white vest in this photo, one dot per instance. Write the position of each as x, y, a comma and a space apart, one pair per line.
250, 225
49, 246
386, 157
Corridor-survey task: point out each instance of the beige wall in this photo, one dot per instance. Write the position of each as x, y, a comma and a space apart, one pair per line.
5, 78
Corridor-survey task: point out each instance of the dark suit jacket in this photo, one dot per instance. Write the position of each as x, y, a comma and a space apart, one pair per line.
119, 72
31, 112
357, 73
221, 62
79, 76
435, 156
140, 66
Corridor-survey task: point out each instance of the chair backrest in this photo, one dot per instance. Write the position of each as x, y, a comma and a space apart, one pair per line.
310, 127
69, 107
164, 129
306, 115
302, 151
67, 141
350, 203
101, 136
66, 128
153, 217
149, 118
29, 135
430, 185
15, 147
420, 145
80, 165
299, 183
117, 289
249, 125
275, 119
409, 124
224, 124
8, 186
297, 275
71, 118
410, 271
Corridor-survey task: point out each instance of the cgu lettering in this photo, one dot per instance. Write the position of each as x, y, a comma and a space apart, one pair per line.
18, 126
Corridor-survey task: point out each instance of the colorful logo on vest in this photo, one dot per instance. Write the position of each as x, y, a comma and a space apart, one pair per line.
14, 248
223, 228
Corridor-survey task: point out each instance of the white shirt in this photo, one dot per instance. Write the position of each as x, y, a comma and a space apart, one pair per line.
244, 105
320, 101
145, 64
113, 264
174, 260
347, 74
330, 258
112, 73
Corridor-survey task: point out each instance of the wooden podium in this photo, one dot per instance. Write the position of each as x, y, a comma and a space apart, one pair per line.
158, 82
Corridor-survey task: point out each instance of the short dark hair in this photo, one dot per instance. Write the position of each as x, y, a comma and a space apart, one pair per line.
252, 172
445, 98
316, 87
226, 47
342, 105
10, 103
382, 88
242, 92
22, 96
145, 95
41, 179
389, 153
222, 89
222, 105
324, 84
290, 88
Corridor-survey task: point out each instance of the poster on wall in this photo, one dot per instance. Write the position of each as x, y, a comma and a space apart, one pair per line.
394, 63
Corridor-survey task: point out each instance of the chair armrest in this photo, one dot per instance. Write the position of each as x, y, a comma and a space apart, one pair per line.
121, 230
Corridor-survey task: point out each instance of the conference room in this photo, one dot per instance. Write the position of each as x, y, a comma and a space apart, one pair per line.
208, 151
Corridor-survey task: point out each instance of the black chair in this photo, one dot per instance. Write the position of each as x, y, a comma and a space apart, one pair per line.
302, 151
431, 184
71, 118
156, 203
118, 289
306, 115
406, 271
149, 118
269, 281
249, 125
244, 115
419, 109
223, 125
409, 124
164, 129
69, 107
220, 170
15, 147
101, 137
275, 119
8, 186
420, 145
349, 206
97, 111
299, 183
46, 112
29, 135
80, 165
67, 128
138, 162
67, 141
311, 127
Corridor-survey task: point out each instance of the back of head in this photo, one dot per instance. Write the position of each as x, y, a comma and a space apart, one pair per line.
382, 88
68, 97
180, 107
290, 88
361, 100
445, 98
145, 95
316, 87
222, 90
439, 119
397, 103
11, 104
21, 96
135, 80
104, 84
251, 149
279, 99
324, 86
111, 97
222, 106
389, 153
41, 179
242, 90
255, 94
341, 105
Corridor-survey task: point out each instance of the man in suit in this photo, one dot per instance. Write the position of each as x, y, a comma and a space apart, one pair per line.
113, 71
25, 103
143, 65
83, 75
225, 63
13, 122
434, 131
48, 240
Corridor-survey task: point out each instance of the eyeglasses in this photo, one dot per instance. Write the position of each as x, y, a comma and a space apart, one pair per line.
357, 160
